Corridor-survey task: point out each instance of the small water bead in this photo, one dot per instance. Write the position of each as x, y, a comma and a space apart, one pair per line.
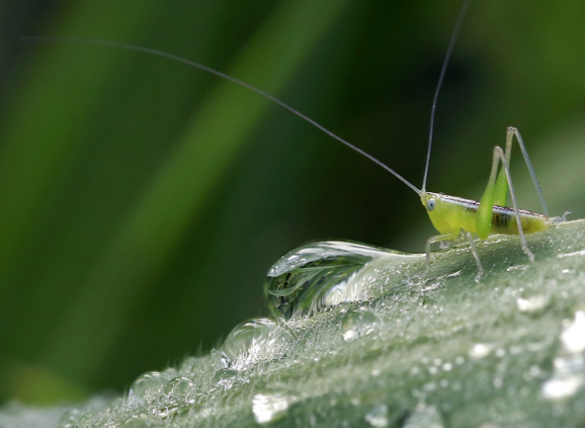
85, 420
359, 322
255, 341
70, 419
150, 384
179, 386
166, 412
140, 421
190, 364
532, 304
560, 387
480, 350
424, 416
269, 407
378, 416
569, 363
306, 280
131, 399
224, 361
225, 377
573, 336
170, 372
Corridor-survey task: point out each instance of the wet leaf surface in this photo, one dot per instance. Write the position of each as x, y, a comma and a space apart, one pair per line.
388, 344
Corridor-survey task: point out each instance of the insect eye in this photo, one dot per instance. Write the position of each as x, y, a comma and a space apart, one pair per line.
431, 204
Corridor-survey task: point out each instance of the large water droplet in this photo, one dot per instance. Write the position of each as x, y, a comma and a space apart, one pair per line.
269, 407
318, 275
424, 416
359, 322
255, 341
378, 416
149, 384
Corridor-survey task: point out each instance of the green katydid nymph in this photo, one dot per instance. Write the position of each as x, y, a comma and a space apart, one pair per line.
451, 216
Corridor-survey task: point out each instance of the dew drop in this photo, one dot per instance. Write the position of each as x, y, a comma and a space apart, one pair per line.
532, 304
225, 377
149, 384
224, 361
189, 364
179, 386
424, 416
480, 350
170, 373
569, 364
312, 277
378, 416
255, 341
561, 387
70, 419
359, 322
140, 421
573, 336
269, 407
167, 411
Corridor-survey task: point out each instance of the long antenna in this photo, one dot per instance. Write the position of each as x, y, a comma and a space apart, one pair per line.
441, 76
124, 46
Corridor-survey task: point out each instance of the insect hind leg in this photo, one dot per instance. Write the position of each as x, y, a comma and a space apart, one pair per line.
499, 156
509, 138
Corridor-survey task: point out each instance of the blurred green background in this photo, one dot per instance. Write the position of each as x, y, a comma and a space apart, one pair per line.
142, 201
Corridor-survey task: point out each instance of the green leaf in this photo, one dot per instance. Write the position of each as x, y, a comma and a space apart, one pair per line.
436, 348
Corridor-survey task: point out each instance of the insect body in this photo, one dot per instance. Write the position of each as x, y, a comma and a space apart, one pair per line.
450, 214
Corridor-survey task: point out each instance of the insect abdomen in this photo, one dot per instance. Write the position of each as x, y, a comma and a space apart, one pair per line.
504, 221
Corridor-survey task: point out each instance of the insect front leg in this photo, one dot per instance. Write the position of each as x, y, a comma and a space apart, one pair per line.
437, 238
475, 254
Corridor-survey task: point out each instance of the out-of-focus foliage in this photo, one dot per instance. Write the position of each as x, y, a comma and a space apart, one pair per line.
142, 202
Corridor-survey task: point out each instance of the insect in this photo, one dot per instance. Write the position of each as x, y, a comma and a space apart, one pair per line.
450, 215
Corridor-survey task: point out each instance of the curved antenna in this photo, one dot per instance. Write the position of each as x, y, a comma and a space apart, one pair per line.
124, 46
440, 83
